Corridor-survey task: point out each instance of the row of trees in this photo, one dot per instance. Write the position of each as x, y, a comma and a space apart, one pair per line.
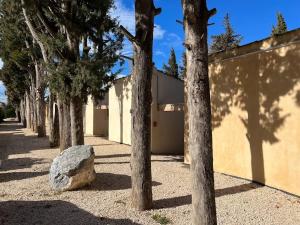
227, 40
62, 49
67, 49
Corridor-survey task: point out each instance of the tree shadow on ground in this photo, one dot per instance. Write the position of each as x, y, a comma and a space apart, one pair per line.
112, 156
51, 213
110, 182
187, 199
11, 176
19, 163
13, 141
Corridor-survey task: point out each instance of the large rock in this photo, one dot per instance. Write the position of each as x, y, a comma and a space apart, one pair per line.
73, 168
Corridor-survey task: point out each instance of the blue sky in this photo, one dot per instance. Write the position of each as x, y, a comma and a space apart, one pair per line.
253, 19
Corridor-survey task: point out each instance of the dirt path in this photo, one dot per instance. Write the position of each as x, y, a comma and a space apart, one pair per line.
26, 198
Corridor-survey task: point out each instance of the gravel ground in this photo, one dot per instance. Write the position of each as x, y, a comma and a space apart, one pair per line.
26, 198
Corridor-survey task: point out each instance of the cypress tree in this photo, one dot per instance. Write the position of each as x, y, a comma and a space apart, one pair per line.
74, 73
227, 40
172, 67
281, 26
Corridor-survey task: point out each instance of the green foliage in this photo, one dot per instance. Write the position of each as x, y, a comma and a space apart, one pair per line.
172, 67
281, 26
9, 111
227, 40
161, 219
83, 44
13, 51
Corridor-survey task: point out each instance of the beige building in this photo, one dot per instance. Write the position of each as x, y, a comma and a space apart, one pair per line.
167, 121
96, 117
255, 93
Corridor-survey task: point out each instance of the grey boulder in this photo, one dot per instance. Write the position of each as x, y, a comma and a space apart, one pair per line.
73, 168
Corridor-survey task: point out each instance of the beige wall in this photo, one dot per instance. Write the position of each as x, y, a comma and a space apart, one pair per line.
256, 112
96, 119
119, 111
167, 127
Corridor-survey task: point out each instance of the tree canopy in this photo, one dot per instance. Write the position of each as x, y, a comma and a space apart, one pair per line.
172, 67
281, 26
227, 40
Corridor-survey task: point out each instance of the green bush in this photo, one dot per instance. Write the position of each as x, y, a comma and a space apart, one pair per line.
10, 112
161, 219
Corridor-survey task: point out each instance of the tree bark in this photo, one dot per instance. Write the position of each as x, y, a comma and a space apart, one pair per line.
53, 122
76, 121
64, 124
141, 106
40, 103
23, 112
28, 110
196, 17
32, 100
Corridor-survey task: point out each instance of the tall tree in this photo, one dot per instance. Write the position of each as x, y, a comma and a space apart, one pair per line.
18, 71
172, 67
281, 26
196, 16
141, 179
227, 40
73, 73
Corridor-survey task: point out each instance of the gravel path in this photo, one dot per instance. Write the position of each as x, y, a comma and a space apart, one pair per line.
25, 196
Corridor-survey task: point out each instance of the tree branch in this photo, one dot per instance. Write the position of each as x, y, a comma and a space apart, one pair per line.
129, 36
34, 34
212, 12
157, 11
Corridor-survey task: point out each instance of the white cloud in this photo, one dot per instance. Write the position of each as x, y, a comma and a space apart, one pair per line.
125, 15
127, 19
173, 40
158, 32
160, 53
1, 63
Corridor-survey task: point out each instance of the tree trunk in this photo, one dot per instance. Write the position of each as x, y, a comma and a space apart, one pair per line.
40, 103
64, 124
53, 122
141, 106
23, 112
28, 110
76, 121
196, 17
33, 107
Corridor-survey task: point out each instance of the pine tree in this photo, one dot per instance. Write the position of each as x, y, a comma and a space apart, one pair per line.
281, 26
172, 67
227, 40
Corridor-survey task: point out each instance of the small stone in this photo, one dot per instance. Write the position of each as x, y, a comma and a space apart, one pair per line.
73, 168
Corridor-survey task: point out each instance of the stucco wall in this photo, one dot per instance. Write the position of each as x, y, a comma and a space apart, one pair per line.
255, 93
167, 127
119, 111
96, 119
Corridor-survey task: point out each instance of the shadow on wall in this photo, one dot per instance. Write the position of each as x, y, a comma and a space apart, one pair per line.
254, 83
50, 213
122, 91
